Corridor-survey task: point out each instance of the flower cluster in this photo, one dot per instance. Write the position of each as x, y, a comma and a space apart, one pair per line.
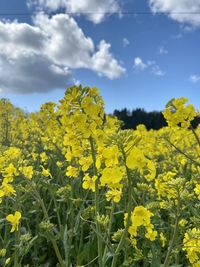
72, 181
141, 217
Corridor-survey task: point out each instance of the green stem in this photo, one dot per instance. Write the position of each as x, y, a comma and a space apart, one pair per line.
56, 208
56, 249
128, 221
51, 236
100, 259
109, 231
172, 243
16, 254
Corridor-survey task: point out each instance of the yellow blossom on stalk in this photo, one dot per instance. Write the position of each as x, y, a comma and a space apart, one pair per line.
28, 172
14, 220
112, 176
92, 109
132, 229
98, 162
7, 190
59, 164
68, 154
46, 172
136, 160
191, 244
114, 194
177, 113
85, 163
89, 182
152, 171
72, 171
43, 157
9, 172
110, 155
141, 216
151, 234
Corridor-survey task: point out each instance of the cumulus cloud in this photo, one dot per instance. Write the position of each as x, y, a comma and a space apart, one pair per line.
29, 73
105, 64
151, 65
194, 78
94, 10
42, 56
175, 7
126, 42
139, 64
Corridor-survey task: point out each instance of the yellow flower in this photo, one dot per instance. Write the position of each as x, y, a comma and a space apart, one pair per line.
7, 190
136, 160
85, 163
111, 176
72, 171
141, 216
177, 113
10, 170
14, 220
151, 234
43, 157
114, 194
28, 172
89, 182
111, 156
46, 172
152, 171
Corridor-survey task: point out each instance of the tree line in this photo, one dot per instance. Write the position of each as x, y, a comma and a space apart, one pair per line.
152, 120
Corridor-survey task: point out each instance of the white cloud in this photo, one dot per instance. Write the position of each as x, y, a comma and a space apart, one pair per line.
151, 65
139, 64
126, 42
94, 10
105, 64
162, 50
42, 57
175, 7
194, 78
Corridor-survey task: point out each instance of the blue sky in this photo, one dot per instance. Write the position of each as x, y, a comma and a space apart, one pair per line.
135, 60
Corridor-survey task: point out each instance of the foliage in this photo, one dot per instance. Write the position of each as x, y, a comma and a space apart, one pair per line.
76, 190
152, 120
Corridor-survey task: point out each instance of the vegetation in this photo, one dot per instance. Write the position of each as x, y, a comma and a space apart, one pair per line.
76, 190
152, 120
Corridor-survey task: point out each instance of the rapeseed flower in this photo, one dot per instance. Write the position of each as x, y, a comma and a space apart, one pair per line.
14, 220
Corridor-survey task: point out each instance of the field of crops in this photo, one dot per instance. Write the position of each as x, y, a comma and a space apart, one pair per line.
75, 190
